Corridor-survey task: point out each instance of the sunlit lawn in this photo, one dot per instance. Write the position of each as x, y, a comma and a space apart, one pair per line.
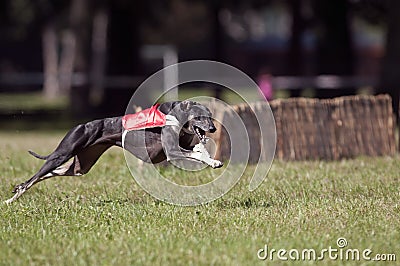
105, 218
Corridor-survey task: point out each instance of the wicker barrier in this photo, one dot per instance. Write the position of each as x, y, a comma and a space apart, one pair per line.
311, 129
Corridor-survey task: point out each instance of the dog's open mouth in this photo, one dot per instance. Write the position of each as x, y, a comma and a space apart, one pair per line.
201, 134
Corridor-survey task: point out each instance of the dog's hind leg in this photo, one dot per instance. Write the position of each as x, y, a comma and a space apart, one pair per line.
51, 168
79, 165
76, 139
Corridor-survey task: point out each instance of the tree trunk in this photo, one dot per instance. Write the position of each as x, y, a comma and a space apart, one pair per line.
99, 55
79, 95
334, 46
51, 87
295, 49
390, 78
67, 59
218, 40
123, 52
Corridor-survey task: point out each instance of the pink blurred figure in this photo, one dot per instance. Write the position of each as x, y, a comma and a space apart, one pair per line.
265, 84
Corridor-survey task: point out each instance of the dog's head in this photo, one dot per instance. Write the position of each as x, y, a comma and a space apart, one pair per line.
195, 119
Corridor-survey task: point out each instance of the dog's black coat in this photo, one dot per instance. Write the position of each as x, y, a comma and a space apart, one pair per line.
85, 143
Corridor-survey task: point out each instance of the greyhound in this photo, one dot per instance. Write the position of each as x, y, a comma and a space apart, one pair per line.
180, 136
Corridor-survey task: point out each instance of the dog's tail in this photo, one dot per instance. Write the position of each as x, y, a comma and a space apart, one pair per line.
38, 156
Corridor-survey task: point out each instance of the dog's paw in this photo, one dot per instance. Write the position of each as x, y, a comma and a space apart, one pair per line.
216, 164
9, 201
17, 188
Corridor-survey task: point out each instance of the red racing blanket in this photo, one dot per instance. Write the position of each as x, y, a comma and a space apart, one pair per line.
148, 118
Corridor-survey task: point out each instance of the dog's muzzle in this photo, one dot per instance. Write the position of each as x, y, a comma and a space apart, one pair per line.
201, 134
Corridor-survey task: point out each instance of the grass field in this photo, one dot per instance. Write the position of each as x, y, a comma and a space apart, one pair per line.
105, 218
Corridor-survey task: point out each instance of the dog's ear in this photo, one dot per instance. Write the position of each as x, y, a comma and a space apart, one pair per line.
167, 107
174, 104
186, 105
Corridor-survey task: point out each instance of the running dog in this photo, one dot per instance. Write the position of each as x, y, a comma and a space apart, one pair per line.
167, 131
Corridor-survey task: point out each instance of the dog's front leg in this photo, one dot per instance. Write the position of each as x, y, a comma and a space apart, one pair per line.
170, 143
197, 154
200, 153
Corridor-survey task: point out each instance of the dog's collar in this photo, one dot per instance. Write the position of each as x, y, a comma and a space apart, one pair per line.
171, 121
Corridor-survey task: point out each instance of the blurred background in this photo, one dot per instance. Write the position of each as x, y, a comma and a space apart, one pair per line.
71, 60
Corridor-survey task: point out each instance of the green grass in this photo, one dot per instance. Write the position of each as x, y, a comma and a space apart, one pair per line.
104, 218
31, 111
30, 101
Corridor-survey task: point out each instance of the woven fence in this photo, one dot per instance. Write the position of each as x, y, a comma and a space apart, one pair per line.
312, 129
